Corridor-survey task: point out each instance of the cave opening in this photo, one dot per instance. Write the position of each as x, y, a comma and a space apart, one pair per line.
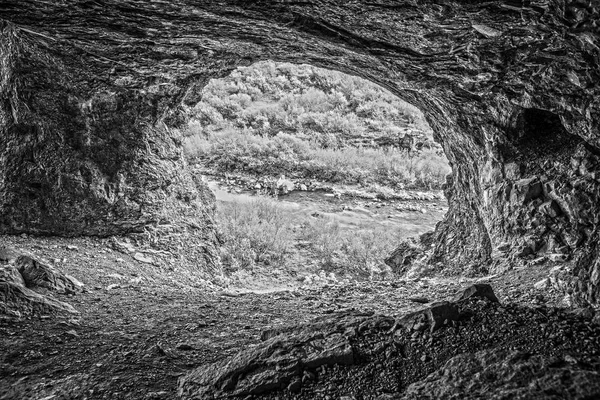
103, 84
314, 167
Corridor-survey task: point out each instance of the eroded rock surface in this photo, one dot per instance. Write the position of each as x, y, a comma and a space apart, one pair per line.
18, 301
20, 274
471, 348
36, 274
510, 89
137, 334
502, 374
277, 365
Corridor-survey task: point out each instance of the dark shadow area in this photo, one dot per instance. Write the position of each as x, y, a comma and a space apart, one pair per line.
538, 135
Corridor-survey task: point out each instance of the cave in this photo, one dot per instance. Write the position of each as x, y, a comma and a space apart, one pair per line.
92, 93
87, 120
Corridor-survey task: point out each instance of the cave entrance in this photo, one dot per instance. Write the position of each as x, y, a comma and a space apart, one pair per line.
318, 174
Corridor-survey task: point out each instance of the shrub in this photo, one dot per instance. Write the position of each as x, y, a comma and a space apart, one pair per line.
256, 232
302, 98
359, 251
231, 150
264, 232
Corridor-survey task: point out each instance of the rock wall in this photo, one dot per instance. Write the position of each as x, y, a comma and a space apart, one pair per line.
92, 90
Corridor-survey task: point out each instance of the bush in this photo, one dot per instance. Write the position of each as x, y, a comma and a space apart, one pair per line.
257, 232
359, 251
267, 97
232, 150
264, 232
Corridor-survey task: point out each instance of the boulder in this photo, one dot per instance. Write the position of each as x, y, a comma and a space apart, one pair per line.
480, 290
404, 255
275, 364
18, 301
25, 273
432, 317
10, 274
39, 275
440, 314
284, 186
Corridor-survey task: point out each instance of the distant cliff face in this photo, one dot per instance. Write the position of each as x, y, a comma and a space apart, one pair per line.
90, 90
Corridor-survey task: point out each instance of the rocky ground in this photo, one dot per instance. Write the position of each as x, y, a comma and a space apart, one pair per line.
141, 326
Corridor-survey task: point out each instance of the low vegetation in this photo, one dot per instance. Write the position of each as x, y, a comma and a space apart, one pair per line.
264, 232
258, 232
308, 102
306, 122
233, 151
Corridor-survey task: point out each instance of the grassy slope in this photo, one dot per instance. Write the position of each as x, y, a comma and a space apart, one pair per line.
230, 151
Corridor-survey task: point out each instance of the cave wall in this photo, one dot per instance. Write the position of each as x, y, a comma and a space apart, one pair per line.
91, 92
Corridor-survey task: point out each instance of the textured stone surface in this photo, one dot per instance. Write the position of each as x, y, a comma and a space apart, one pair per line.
18, 301
405, 255
286, 356
276, 364
21, 275
501, 374
479, 349
92, 91
9, 273
36, 274
432, 318
481, 290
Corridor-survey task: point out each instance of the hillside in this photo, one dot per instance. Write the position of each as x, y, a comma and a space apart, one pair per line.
308, 122
330, 107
